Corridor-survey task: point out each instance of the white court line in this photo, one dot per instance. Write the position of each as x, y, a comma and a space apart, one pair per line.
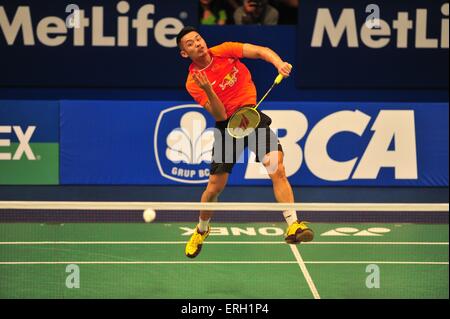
215, 262
381, 262
305, 272
218, 243
230, 206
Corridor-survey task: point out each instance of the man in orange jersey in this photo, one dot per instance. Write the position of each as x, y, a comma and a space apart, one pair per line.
222, 84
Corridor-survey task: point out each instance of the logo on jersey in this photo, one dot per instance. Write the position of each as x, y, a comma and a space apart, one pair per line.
230, 79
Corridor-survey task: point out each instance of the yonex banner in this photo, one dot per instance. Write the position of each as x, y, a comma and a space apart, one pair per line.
382, 44
379, 144
88, 43
29, 135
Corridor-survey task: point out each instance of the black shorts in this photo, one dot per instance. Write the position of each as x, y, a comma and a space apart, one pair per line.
227, 150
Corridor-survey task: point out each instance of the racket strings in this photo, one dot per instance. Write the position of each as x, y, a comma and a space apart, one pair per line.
243, 122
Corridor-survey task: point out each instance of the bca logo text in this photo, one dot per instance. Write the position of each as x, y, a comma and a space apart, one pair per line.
183, 143
339, 131
24, 140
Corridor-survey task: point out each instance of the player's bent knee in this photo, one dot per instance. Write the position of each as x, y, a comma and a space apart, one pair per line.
214, 189
273, 160
278, 173
213, 192
216, 184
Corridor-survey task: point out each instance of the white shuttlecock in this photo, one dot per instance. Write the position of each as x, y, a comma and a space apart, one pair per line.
149, 215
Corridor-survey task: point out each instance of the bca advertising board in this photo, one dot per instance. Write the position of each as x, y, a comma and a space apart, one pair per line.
159, 143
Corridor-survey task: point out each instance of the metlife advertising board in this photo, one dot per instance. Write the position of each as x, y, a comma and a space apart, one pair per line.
92, 43
373, 44
159, 143
29, 142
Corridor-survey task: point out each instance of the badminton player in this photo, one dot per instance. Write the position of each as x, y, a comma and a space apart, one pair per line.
222, 84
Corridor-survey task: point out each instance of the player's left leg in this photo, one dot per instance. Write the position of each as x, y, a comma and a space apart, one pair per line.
297, 231
273, 162
265, 144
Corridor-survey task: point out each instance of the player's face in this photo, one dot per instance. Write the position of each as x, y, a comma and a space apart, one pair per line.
193, 46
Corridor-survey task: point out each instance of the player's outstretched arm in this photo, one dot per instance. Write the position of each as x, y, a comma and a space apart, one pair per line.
252, 51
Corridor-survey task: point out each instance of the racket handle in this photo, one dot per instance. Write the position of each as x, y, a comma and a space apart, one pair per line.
278, 79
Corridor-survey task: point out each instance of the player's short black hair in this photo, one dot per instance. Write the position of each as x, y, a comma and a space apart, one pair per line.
183, 32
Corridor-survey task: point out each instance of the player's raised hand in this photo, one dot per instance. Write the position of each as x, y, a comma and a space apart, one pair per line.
284, 69
201, 80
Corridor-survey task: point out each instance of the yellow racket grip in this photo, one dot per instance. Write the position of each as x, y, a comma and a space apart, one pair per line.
279, 78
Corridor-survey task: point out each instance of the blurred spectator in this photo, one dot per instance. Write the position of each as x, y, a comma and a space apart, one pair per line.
288, 10
231, 6
256, 12
212, 12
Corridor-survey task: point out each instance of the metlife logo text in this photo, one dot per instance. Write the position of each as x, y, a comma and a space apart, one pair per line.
87, 26
404, 29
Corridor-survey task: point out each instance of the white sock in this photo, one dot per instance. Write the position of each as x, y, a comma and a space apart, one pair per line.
203, 225
290, 216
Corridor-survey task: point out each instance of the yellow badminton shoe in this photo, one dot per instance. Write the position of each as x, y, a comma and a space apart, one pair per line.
194, 245
298, 232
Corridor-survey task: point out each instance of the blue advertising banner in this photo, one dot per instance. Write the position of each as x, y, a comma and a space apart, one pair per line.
92, 43
44, 115
384, 44
392, 44
169, 142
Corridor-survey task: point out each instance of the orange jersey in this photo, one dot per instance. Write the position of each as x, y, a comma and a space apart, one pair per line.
230, 79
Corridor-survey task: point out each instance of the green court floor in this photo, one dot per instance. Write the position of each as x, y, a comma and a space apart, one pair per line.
239, 260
